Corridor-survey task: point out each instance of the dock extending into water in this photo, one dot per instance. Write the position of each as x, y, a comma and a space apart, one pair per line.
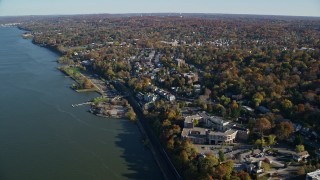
81, 104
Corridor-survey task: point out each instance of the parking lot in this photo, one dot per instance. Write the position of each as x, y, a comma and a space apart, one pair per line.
228, 150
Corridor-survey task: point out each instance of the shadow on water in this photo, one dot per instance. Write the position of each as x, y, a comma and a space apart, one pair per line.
138, 157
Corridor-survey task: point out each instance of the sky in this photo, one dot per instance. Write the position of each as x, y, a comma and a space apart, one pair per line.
61, 7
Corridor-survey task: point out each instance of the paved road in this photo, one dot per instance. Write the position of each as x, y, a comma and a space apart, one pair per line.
285, 173
285, 151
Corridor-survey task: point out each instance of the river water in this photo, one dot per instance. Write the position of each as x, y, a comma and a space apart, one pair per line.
43, 137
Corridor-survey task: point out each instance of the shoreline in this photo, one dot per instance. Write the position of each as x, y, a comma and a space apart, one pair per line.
104, 109
64, 70
157, 154
51, 48
95, 89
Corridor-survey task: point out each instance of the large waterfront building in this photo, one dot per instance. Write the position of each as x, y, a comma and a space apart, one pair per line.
204, 129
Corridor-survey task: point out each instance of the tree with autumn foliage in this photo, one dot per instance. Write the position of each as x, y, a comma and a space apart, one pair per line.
263, 124
224, 170
284, 130
243, 175
87, 84
235, 109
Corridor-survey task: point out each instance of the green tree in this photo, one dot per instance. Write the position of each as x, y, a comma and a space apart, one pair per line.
260, 142
206, 166
213, 159
225, 100
271, 139
221, 156
229, 167
265, 166
299, 148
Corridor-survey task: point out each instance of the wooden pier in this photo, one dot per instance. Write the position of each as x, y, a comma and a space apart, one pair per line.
81, 104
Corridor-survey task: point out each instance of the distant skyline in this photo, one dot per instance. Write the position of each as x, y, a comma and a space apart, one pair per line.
64, 7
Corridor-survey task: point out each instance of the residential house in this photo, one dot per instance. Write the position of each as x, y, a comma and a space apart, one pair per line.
165, 95
197, 88
150, 97
87, 62
191, 77
301, 156
170, 97
149, 58
180, 62
174, 43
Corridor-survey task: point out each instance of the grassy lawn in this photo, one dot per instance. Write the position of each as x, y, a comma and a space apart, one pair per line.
83, 83
73, 72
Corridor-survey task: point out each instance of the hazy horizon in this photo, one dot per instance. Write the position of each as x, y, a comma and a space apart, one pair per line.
73, 7
155, 13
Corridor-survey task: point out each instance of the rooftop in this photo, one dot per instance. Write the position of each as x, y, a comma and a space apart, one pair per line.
190, 119
227, 132
196, 131
213, 119
218, 120
314, 174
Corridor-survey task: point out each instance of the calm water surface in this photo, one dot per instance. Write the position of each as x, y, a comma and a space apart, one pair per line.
43, 137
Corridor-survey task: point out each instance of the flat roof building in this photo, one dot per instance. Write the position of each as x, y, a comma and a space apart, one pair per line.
315, 175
